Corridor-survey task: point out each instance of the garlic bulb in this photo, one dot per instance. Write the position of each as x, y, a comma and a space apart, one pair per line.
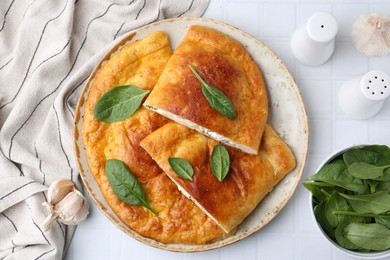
66, 204
371, 34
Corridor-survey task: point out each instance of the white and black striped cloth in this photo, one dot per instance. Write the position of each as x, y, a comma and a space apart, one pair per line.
47, 51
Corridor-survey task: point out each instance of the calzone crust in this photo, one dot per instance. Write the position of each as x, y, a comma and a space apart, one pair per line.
223, 63
250, 179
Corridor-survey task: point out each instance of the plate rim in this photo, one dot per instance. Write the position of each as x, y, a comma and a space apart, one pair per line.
77, 137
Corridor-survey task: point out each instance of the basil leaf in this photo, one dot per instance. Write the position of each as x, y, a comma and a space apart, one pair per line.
335, 203
119, 103
321, 189
368, 236
216, 98
360, 217
315, 190
337, 174
383, 186
341, 239
125, 185
373, 154
365, 171
386, 175
375, 203
220, 162
354, 217
373, 184
181, 167
319, 213
384, 220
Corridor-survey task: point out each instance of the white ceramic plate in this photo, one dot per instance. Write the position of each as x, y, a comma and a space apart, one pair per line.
287, 116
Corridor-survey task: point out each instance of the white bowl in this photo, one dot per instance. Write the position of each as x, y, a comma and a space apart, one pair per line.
361, 255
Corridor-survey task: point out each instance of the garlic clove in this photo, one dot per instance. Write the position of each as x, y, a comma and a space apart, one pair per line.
66, 204
371, 34
58, 190
73, 209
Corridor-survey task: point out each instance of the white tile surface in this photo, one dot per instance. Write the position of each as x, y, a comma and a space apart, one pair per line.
312, 247
313, 92
278, 19
320, 136
380, 132
241, 250
268, 244
348, 61
307, 8
322, 71
346, 14
350, 132
236, 11
292, 234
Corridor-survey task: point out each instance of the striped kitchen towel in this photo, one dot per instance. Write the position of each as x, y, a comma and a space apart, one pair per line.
47, 51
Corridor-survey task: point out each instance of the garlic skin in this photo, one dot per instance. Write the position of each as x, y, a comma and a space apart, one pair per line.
72, 209
371, 34
65, 204
59, 189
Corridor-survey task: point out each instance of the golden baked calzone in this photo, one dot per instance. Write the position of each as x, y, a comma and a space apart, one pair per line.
179, 220
249, 180
223, 63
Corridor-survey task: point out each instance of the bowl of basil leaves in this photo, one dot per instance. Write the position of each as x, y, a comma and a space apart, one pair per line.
350, 200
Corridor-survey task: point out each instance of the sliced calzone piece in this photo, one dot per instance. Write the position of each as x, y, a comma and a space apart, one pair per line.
249, 180
224, 64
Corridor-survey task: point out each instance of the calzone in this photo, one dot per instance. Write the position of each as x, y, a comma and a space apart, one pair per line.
250, 178
223, 63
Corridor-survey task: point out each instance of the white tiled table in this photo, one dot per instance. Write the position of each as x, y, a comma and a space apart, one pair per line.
292, 234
